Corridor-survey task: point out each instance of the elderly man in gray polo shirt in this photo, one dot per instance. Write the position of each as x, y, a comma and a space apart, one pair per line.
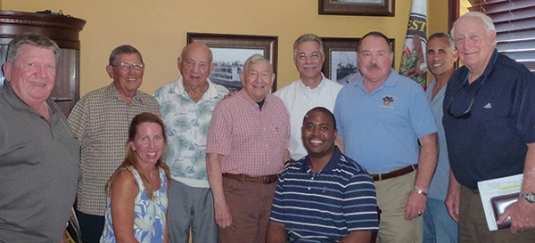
39, 159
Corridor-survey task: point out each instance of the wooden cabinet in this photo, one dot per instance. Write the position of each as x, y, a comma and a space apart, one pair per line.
64, 30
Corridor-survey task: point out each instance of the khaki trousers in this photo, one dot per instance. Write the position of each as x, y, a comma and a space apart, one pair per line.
391, 198
473, 225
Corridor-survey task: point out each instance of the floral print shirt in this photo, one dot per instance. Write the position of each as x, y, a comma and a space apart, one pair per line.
149, 215
186, 127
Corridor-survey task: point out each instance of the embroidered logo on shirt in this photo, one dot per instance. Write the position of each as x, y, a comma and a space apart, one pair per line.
487, 106
387, 100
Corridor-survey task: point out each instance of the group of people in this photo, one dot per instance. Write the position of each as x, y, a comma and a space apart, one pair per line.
313, 162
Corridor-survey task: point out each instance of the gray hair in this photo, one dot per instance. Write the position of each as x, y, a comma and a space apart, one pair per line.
308, 37
123, 49
33, 39
256, 58
442, 35
486, 20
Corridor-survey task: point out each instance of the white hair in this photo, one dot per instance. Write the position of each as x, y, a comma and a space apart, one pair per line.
486, 20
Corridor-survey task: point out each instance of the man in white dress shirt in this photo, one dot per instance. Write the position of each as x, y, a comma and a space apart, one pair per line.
313, 89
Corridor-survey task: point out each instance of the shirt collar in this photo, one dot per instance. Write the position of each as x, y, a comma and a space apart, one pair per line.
492, 62
335, 159
390, 81
17, 103
464, 71
210, 92
319, 87
250, 101
111, 92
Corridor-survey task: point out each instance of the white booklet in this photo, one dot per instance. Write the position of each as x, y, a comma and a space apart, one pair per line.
490, 190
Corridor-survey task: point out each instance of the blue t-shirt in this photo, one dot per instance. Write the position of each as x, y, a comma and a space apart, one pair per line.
381, 129
328, 205
438, 189
492, 142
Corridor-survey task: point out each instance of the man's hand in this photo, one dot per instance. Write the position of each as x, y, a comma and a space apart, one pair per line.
230, 94
415, 204
522, 216
223, 218
453, 198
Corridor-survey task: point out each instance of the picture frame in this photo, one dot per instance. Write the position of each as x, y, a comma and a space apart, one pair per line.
230, 52
357, 7
340, 63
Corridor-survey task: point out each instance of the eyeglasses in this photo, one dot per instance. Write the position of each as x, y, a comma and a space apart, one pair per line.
463, 114
126, 66
313, 55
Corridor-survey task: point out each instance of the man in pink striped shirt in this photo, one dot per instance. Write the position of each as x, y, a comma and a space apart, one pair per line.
246, 148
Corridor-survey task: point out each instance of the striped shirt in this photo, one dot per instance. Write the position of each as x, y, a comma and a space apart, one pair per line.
100, 121
328, 205
251, 140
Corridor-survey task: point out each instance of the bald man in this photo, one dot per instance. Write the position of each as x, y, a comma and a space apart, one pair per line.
187, 106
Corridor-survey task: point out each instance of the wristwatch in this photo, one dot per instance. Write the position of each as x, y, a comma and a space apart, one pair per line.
530, 196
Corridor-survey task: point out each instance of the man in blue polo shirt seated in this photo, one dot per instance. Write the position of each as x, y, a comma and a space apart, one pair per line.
326, 196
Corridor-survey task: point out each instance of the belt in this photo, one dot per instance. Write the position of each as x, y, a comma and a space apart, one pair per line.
395, 173
267, 179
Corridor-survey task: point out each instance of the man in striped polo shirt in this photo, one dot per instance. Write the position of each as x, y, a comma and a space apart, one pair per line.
326, 196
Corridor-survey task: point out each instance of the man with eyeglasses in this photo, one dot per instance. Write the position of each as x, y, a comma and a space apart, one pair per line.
100, 121
381, 118
313, 89
489, 121
187, 105
439, 226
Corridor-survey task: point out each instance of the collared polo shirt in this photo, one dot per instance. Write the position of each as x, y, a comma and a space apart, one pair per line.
492, 142
251, 140
100, 121
381, 129
328, 205
39, 166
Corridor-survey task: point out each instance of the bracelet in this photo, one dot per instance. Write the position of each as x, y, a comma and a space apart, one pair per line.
420, 191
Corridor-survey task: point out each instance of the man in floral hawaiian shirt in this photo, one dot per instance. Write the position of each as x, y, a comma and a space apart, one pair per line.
187, 106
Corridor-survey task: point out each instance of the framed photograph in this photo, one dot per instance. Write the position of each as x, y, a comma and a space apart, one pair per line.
357, 7
341, 59
230, 53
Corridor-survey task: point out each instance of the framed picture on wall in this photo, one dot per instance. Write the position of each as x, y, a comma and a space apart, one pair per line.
341, 59
231, 51
357, 7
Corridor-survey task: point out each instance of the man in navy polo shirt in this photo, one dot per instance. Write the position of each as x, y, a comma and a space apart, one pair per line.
489, 121
326, 196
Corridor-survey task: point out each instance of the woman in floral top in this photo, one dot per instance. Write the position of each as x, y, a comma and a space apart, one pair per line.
137, 190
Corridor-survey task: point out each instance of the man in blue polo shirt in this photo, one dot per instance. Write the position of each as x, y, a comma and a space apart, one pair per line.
381, 118
489, 121
326, 196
